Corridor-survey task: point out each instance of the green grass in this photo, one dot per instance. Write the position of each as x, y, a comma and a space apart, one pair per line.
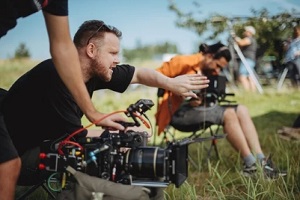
218, 178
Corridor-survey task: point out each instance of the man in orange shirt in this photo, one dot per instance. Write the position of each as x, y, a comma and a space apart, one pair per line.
237, 123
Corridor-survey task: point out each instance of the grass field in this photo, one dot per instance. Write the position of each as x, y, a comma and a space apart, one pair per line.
218, 178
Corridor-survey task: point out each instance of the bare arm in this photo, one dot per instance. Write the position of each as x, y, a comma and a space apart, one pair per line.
66, 60
181, 85
243, 42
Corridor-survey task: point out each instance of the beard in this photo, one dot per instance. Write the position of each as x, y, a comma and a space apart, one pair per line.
99, 71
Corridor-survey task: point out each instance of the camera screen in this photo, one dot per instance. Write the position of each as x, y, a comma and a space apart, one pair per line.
217, 84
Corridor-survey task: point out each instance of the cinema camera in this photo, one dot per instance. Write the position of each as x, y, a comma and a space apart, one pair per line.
141, 165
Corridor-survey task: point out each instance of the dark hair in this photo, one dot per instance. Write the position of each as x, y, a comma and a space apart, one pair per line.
93, 28
218, 50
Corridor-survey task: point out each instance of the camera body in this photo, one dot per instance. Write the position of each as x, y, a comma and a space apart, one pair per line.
139, 164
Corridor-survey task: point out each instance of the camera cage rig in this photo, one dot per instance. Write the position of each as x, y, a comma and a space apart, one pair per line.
141, 165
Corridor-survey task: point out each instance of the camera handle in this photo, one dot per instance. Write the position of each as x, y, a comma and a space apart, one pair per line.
136, 110
127, 124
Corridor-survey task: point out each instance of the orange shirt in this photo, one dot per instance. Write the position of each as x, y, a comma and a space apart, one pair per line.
178, 65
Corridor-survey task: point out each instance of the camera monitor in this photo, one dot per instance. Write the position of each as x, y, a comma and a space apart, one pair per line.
216, 85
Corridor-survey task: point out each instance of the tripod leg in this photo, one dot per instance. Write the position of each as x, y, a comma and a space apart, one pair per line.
282, 78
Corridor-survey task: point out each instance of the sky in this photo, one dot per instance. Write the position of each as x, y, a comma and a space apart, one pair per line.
141, 21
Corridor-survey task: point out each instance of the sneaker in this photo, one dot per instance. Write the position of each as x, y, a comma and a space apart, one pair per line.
267, 167
270, 171
249, 171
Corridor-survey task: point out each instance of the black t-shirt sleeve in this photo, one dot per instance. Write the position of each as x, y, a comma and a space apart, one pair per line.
120, 80
57, 7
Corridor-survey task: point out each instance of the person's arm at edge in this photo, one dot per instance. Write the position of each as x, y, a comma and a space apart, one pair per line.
66, 61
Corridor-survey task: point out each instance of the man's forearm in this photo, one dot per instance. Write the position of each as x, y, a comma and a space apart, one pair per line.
152, 78
66, 61
181, 85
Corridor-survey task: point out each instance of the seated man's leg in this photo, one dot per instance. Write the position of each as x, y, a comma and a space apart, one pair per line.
10, 164
250, 134
235, 134
242, 135
188, 118
249, 130
228, 117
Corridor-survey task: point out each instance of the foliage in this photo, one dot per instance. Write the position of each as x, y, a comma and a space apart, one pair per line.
271, 30
10, 70
147, 52
22, 51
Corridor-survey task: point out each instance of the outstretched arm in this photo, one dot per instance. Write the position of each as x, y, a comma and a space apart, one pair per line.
181, 85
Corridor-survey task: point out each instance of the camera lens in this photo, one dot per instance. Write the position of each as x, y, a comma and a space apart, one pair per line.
146, 162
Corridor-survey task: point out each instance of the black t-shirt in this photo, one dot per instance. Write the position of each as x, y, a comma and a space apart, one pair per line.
39, 107
11, 10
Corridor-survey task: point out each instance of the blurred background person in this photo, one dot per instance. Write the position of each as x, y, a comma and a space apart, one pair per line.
248, 47
292, 57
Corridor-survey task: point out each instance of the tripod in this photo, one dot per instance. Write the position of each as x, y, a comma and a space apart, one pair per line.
234, 48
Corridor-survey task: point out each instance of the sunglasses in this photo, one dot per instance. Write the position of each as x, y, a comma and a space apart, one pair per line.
105, 26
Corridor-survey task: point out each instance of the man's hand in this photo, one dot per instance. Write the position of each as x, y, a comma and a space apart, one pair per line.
185, 84
195, 102
110, 122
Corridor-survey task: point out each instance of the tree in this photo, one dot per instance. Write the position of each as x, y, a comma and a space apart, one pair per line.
22, 52
271, 29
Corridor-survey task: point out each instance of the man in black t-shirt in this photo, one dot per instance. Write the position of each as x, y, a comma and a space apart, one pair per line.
39, 106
